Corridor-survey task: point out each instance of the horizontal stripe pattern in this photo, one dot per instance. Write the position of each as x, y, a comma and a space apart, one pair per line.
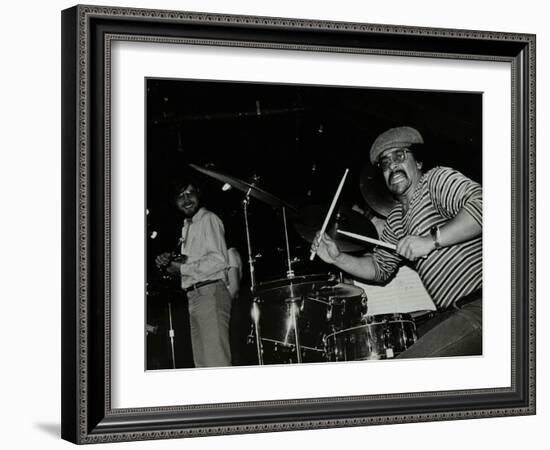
451, 272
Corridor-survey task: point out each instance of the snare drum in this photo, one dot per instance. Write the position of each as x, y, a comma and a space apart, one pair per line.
347, 306
382, 337
291, 311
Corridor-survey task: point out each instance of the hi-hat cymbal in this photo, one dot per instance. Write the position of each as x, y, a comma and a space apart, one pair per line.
311, 218
374, 191
248, 188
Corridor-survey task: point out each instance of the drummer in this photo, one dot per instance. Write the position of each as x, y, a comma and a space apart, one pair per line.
436, 225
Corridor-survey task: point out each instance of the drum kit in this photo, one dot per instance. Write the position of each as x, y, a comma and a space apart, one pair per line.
316, 317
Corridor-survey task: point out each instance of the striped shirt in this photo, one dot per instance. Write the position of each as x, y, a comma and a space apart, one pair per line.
450, 272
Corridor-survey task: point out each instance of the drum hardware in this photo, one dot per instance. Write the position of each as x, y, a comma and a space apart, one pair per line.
294, 324
252, 190
245, 203
347, 306
305, 318
381, 337
289, 272
329, 310
255, 314
290, 317
387, 343
279, 353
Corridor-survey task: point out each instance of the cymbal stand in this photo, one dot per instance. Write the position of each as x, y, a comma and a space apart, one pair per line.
294, 308
245, 202
255, 312
289, 272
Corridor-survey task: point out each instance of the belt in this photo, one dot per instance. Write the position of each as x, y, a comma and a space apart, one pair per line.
199, 285
471, 297
457, 304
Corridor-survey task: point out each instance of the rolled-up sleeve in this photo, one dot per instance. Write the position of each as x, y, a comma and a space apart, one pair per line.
386, 262
452, 192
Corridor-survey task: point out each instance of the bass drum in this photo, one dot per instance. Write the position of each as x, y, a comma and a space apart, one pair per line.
383, 337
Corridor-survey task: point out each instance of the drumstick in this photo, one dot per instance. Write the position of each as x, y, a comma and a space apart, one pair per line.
368, 239
327, 218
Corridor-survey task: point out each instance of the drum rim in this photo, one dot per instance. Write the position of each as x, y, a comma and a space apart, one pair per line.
360, 291
401, 316
293, 346
367, 325
296, 280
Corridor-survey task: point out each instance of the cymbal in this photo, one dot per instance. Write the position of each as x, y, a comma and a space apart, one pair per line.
247, 188
374, 191
309, 222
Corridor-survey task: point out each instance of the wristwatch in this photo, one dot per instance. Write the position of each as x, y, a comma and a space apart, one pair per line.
435, 232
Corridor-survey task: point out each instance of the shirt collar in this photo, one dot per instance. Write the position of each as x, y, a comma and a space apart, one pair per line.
197, 215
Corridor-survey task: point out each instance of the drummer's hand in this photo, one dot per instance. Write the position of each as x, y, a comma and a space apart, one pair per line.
163, 259
415, 247
326, 248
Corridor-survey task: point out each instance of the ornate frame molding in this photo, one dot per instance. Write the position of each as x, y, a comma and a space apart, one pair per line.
85, 421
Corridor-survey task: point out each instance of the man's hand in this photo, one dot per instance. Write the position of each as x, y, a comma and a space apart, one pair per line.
173, 267
326, 249
414, 247
163, 259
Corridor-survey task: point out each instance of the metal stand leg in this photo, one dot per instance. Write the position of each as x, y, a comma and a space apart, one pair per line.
255, 313
295, 310
171, 334
249, 244
289, 272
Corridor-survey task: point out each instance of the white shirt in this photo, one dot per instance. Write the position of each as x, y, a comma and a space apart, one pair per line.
205, 248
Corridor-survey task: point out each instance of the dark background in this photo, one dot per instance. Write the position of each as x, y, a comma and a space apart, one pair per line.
298, 140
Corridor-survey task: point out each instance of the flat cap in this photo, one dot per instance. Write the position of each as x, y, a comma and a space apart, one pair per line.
394, 138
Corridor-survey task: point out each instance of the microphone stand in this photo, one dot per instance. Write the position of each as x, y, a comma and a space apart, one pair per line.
171, 334
165, 276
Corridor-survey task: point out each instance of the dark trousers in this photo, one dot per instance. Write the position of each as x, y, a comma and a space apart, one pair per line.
454, 332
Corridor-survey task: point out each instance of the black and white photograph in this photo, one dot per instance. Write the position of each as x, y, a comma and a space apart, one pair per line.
277, 224
296, 224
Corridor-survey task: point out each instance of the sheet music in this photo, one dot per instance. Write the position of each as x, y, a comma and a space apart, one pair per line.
404, 294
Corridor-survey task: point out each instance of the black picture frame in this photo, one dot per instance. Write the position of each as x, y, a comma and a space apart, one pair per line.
87, 33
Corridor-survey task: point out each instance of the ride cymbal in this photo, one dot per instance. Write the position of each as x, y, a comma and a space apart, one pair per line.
248, 188
374, 191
